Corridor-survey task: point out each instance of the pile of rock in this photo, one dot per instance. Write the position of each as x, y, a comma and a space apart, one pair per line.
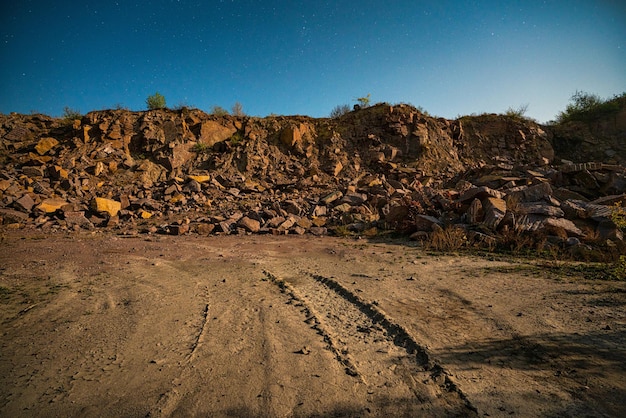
376, 168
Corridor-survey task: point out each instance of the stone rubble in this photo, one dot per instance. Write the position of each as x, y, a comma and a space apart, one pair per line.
380, 168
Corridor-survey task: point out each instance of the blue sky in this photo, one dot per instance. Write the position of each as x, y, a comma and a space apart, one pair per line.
305, 57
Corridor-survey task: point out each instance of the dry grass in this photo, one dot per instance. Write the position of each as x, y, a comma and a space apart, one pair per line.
451, 238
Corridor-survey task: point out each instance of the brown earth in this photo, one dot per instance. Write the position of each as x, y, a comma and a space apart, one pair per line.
95, 324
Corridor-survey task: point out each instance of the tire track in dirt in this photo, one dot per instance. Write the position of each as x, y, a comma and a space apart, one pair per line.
380, 353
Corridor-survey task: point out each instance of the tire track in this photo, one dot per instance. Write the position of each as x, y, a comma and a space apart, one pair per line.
379, 352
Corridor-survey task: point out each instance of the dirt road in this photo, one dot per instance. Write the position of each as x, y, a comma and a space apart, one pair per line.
102, 325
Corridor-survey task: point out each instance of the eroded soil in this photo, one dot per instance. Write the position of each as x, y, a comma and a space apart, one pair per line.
97, 325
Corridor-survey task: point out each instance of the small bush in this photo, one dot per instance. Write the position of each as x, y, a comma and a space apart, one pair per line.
618, 216
219, 111
447, 239
339, 111
237, 138
585, 106
200, 148
237, 110
70, 115
156, 101
517, 113
364, 101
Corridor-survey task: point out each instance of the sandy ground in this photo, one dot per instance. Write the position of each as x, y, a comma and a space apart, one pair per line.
101, 325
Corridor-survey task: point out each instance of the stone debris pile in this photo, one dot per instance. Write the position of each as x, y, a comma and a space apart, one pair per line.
383, 167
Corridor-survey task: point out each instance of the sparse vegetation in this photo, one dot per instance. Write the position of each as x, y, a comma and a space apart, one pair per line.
517, 113
237, 138
585, 106
200, 148
339, 111
70, 115
618, 216
451, 238
156, 101
219, 111
364, 101
237, 110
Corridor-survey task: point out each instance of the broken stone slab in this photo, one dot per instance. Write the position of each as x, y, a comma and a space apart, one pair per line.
33, 171
287, 224
46, 144
610, 200
427, 223
291, 206
77, 219
475, 213
104, 205
599, 212
175, 229
353, 199
10, 216
319, 211
250, 225
481, 193
560, 226
51, 205
204, 228
574, 209
494, 209
331, 197
397, 214
563, 193
305, 223
540, 191
298, 230
318, 231
275, 221
200, 178
342, 208
24, 203
541, 208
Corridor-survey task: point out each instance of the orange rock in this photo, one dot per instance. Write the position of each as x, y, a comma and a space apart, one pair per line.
46, 144
101, 204
51, 205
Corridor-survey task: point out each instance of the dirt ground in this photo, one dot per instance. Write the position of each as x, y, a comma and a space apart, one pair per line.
97, 325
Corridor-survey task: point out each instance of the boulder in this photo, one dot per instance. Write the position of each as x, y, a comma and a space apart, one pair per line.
24, 203
292, 135
495, 209
103, 205
541, 208
46, 144
480, 193
51, 205
77, 219
213, 132
561, 226
475, 213
250, 225
9, 216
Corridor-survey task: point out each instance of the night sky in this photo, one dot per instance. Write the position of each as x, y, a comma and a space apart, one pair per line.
305, 57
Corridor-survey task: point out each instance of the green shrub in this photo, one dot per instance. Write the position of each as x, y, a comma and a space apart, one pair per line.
618, 215
70, 115
200, 148
156, 101
364, 101
339, 111
585, 106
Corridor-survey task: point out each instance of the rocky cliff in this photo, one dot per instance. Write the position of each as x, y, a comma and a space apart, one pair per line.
372, 169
